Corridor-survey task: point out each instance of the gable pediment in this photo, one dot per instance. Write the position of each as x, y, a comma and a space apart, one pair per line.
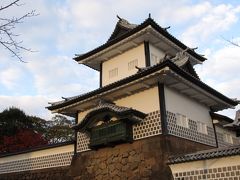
121, 28
106, 112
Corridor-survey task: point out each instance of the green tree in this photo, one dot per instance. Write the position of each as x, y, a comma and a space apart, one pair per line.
16, 126
13, 119
59, 130
19, 131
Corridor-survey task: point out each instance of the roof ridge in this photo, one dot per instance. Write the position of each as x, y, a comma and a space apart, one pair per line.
205, 154
148, 21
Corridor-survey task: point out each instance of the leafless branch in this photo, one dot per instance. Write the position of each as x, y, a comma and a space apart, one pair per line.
8, 36
232, 42
9, 5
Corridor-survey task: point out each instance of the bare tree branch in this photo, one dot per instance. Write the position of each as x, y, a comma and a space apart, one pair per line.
8, 36
231, 42
9, 5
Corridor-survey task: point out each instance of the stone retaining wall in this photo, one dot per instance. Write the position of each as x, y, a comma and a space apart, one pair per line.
143, 159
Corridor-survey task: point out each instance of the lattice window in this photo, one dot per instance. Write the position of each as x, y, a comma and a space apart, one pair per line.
132, 64
236, 140
222, 141
113, 73
154, 59
82, 142
202, 127
191, 132
55, 160
150, 127
182, 120
227, 138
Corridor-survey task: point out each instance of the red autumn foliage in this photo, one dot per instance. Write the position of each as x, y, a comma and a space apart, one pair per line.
24, 139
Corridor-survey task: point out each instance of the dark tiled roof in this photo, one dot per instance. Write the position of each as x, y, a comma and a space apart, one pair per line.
122, 27
227, 122
106, 108
138, 28
144, 72
112, 106
236, 122
207, 154
221, 117
190, 69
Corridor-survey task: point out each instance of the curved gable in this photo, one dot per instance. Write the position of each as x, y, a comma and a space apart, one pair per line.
105, 111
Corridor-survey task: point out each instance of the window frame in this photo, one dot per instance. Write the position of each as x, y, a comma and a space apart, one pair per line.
182, 120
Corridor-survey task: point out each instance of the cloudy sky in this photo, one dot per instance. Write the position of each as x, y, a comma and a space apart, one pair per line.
64, 28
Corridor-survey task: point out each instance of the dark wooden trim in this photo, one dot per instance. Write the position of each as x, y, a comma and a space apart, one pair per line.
214, 128
163, 112
220, 117
215, 134
147, 53
75, 134
100, 80
149, 70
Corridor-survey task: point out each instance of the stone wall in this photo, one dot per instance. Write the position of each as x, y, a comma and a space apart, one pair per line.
60, 173
143, 159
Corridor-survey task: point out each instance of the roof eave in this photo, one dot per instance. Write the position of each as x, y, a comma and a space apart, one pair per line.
146, 23
228, 102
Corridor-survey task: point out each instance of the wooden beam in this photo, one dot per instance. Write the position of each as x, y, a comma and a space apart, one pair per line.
75, 134
184, 90
100, 80
128, 92
163, 111
173, 84
134, 44
118, 51
147, 53
146, 85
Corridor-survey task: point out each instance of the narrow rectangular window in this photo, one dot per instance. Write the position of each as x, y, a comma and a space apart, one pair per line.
182, 120
113, 73
202, 127
154, 59
227, 138
132, 64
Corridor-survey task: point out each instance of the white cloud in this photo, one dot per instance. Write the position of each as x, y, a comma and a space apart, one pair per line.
181, 12
60, 76
64, 28
217, 19
221, 71
10, 77
31, 105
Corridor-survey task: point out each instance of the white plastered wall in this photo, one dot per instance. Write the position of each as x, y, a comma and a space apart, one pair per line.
206, 164
179, 103
145, 101
40, 153
121, 62
81, 115
155, 52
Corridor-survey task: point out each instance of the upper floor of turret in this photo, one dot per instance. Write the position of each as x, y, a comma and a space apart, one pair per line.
132, 47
